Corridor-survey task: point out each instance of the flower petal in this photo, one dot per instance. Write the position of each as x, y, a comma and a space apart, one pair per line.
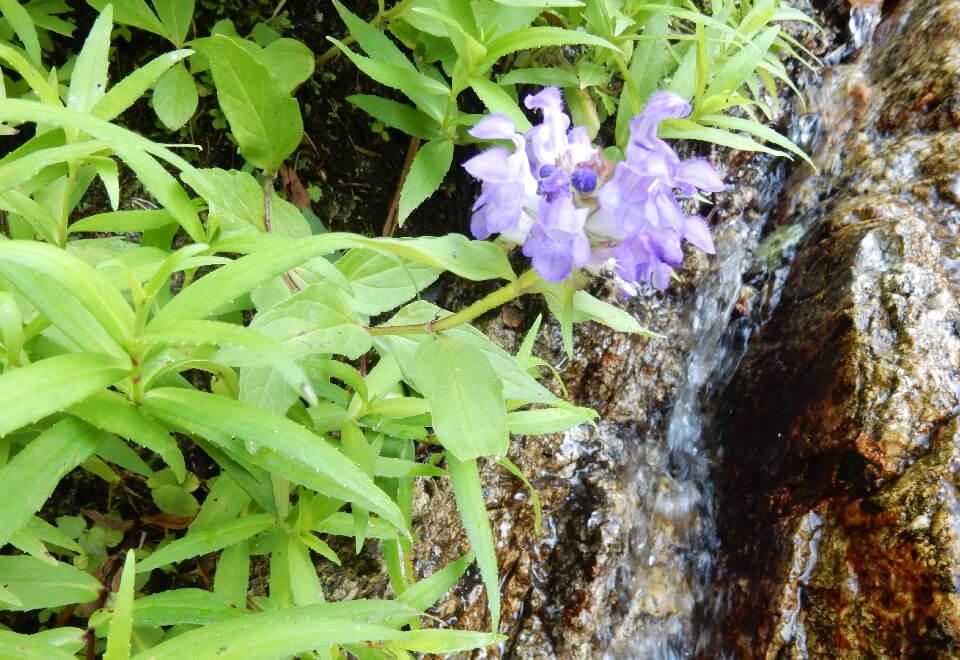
494, 127
698, 173
696, 231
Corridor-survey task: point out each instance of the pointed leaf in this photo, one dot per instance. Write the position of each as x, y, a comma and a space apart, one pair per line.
175, 97
465, 395
22, 23
208, 540
282, 446
473, 511
32, 392
264, 118
88, 83
126, 92
121, 625
39, 585
175, 16
30, 478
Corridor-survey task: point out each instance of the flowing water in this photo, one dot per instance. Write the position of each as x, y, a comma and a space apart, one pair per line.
666, 590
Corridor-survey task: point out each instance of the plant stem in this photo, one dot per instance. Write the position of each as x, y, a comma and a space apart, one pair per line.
499, 297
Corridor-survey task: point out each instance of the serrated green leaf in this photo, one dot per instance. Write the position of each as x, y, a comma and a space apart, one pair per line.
375, 43
121, 625
208, 540
465, 395
32, 392
282, 446
88, 83
126, 92
39, 585
427, 94
427, 171
175, 97
398, 115
476, 522
263, 117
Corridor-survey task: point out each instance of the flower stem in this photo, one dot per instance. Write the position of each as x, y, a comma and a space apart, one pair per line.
501, 296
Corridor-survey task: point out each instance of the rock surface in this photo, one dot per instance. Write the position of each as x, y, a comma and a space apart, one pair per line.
837, 488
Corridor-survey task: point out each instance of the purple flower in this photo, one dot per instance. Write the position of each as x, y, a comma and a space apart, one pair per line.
642, 215
570, 208
558, 242
508, 197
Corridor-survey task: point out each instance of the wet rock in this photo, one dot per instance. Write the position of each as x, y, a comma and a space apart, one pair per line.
837, 501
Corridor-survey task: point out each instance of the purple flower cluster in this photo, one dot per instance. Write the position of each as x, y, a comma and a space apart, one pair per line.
570, 208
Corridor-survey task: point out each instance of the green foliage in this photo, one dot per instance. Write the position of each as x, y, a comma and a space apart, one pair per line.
727, 58
219, 324
121, 351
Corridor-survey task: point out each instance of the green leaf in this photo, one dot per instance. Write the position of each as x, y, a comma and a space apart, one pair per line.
39, 585
588, 308
121, 626
231, 580
465, 395
75, 297
374, 42
289, 61
427, 171
30, 478
264, 119
248, 346
497, 100
288, 631
21, 22
175, 16
126, 92
761, 131
732, 74
473, 511
422, 594
382, 282
427, 93
123, 221
472, 260
304, 581
544, 77
179, 606
398, 115
175, 97
175, 500
32, 392
547, 420
133, 148
23, 647
132, 12
35, 79
208, 540
684, 129
282, 446
88, 83
537, 37
49, 228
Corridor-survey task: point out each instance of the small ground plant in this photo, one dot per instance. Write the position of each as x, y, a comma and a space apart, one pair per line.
304, 365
